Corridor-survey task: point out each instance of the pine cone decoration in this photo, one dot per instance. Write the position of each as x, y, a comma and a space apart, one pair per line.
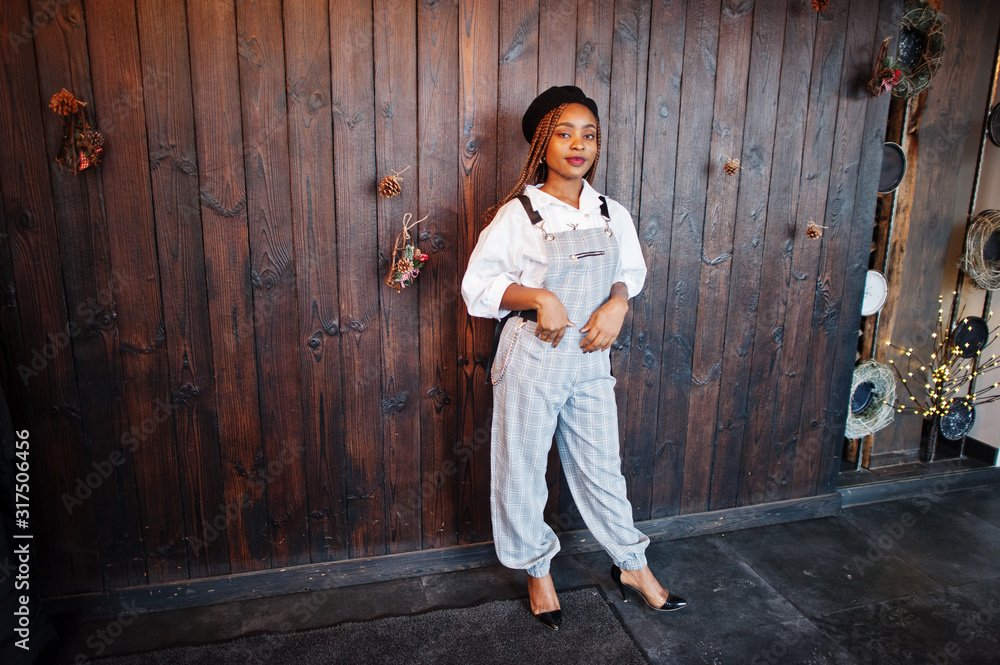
64, 103
404, 265
814, 230
820, 5
732, 166
389, 187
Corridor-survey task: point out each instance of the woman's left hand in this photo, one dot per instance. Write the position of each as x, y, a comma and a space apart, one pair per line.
604, 325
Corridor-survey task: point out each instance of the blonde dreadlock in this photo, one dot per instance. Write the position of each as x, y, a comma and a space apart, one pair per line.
535, 170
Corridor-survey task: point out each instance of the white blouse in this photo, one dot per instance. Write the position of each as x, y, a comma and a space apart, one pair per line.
511, 251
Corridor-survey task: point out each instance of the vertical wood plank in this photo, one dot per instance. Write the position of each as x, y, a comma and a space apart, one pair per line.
735, 31
753, 336
791, 251
442, 311
625, 122
821, 123
351, 47
891, 223
222, 192
623, 140
701, 39
166, 86
395, 34
115, 66
855, 261
641, 445
310, 156
65, 544
557, 20
770, 386
516, 87
595, 39
479, 47
61, 49
833, 274
272, 273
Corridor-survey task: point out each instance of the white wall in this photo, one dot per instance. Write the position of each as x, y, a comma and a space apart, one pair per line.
987, 427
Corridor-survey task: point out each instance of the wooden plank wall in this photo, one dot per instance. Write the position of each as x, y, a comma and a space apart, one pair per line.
197, 333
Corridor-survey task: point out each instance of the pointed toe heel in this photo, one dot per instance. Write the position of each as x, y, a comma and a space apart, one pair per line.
673, 601
551, 619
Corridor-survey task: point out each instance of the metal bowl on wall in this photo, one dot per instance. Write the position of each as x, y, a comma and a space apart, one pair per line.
993, 125
958, 422
893, 167
970, 336
861, 399
876, 293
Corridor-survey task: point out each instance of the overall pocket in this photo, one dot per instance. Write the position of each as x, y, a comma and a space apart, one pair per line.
575, 258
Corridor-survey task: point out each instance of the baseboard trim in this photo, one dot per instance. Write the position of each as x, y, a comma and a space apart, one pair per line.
906, 488
980, 451
333, 574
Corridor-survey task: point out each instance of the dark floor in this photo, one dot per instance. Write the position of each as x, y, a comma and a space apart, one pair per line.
906, 581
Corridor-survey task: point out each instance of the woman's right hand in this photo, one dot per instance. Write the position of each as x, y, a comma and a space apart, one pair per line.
552, 318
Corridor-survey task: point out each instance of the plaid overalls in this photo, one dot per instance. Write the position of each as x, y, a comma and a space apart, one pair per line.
545, 390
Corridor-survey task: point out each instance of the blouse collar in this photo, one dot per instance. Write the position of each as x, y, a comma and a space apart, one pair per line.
588, 198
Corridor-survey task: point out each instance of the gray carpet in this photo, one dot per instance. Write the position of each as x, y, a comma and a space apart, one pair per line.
498, 632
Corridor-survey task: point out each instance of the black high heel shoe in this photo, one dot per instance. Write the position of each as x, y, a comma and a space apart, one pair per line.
552, 619
673, 602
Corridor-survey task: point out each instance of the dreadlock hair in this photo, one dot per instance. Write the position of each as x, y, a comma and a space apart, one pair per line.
535, 170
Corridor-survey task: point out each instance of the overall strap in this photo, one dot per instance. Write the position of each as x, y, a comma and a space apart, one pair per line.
533, 215
605, 213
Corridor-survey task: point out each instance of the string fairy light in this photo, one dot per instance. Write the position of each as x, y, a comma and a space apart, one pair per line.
947, 373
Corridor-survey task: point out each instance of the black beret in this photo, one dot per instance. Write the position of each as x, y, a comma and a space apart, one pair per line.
550, 99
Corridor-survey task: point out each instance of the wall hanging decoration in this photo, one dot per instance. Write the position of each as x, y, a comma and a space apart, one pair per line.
732, 165
885, 74
971, 336
82, 145
407, 259
956, 423
814, 231
390, 185
993, 125
876, 292
873, 394
893, 167
920, 50
981, 261
938, 390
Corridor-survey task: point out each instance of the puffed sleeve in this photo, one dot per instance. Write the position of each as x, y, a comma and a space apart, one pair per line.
494, 265
632, 268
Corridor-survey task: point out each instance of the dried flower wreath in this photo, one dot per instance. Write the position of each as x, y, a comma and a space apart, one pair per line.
407, 259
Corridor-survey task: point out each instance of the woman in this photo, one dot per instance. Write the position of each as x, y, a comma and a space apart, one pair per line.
558, 264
